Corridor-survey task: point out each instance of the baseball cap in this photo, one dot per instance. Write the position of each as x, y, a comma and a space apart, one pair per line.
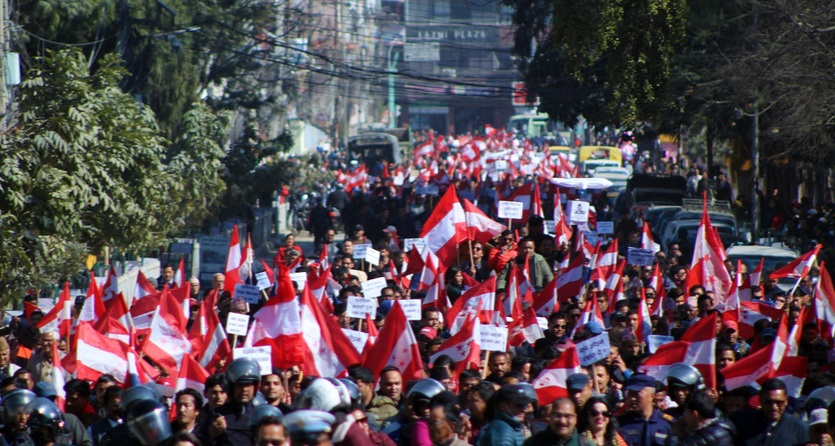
730, 325
639, 381
390, 229
45, 389
359, 228
576, 381
428, 332
818, 416
594, 327
516, 393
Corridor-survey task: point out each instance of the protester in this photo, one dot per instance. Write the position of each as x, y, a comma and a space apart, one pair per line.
770, 425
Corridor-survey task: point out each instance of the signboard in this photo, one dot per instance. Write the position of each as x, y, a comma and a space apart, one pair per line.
550, 226
493, 338
374, 287
361, 306
500, 165
237, 324
412, 308
262, 355
576, 212
422, 52
639, 256
251, 294
418, 243
213, 250
511, 209
593, 349
372, 256
299, 278
357, 338
359, 251
655, 341
605, 227
263, 280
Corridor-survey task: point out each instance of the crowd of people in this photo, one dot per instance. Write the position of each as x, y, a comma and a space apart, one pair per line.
498, 401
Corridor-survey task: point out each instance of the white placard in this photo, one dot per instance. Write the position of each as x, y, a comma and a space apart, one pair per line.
262, 355
237, 324
655, 341
411, 307
251, 294
576, 212
360, 306
511, 209
372, 256
399, 179
373, 288
359, 251
299, 278
418, 243
493, 338
500, 165
593, 349
357, 338
605, 227
551, 226
639, 256
263, 280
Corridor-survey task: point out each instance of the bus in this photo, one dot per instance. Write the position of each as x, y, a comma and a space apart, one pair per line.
538, 125
373, 147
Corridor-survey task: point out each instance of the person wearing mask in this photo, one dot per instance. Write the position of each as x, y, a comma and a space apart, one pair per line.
769, 425
703, 426
562, 431
512, 403
643, 424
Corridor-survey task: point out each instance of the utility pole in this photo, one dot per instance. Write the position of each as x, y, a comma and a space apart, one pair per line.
392, 60
4, 11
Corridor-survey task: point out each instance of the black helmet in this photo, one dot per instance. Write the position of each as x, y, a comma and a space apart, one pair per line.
44, 413
684, 375
148, 421
262, 411
17, 401
243, 371
138, 393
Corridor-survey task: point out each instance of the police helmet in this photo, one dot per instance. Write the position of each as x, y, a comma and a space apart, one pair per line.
17, 401
258, 400
353, 390
44, 413
243, 371
344, 393
321, 394
262, 411
138, 393
684, 375
426, 388
148, 421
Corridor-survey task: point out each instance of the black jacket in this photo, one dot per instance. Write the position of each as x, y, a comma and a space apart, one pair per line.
719, 432
753, 429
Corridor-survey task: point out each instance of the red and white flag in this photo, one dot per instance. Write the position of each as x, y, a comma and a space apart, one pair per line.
93, 307
524, 195
792, 372
525, 328
278, 324
59, 317
328, 350
96, 354
482, 297
545, 301
550, 384
646, 239
479, 226
825, 297
464, 347
590, 313
614, 286
192, 375
111, 285
644, 327
709, 260
207, 336
658, 364
233, 262
180, 274
755, 277
701, 353
167, 343
570, 281
759, 365
798, 267
58, 378
606, 264
143, 287
396, 346
445, 228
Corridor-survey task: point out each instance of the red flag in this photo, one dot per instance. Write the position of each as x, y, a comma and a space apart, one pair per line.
798, 267
708, 260
143, 287
464, 346
524, 195
550, 384
525, 328
58, 378
570, 281
59, 317
482, 296
180, 275
755, 277
606, 264
792, 372
445, 228
192, 375
111, 285
233, 262
825, 297
545, 301
278, 324
167, 343
28, 308
396, 346
208, 338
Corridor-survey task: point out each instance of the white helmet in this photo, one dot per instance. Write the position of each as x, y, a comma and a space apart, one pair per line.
321, 394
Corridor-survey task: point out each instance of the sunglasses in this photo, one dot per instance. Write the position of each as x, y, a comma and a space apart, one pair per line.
597, 413
561, 327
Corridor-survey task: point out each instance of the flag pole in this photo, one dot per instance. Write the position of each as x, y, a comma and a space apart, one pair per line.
486, 365
796, 284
